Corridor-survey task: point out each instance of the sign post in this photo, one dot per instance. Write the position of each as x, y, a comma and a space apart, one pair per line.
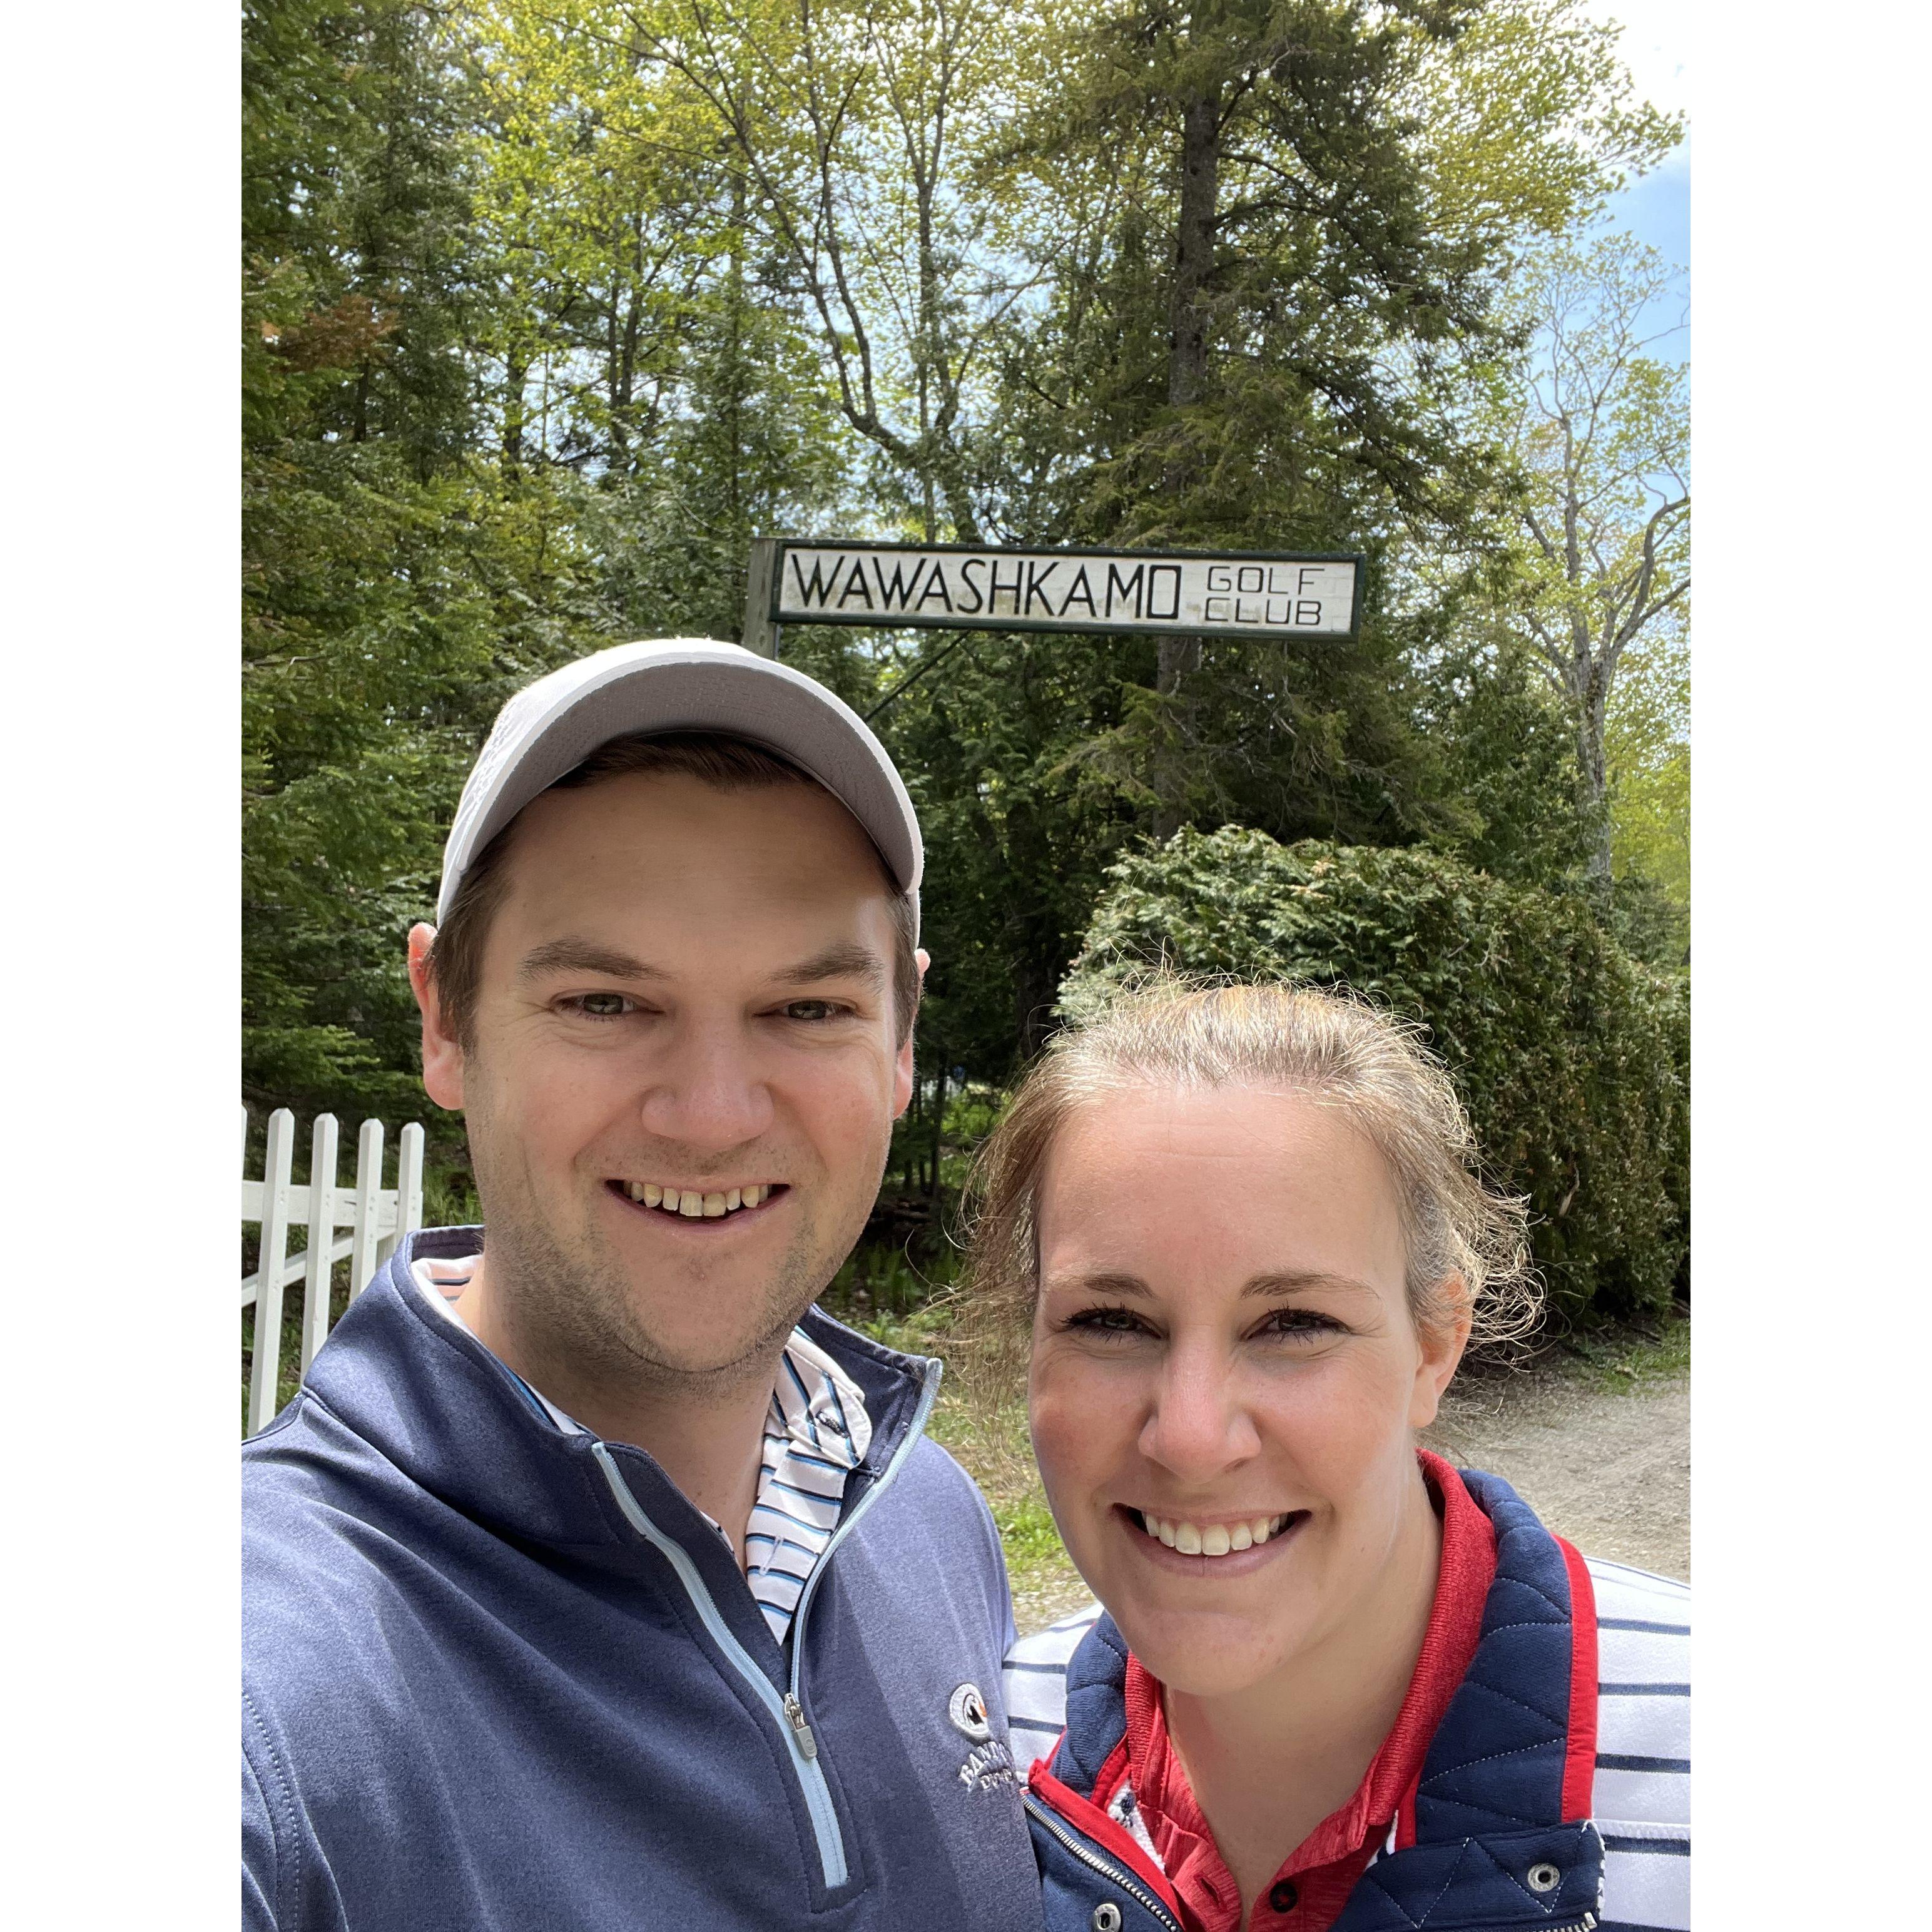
761, 634
964, 586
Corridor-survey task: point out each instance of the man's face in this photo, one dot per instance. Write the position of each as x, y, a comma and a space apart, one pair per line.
686, 996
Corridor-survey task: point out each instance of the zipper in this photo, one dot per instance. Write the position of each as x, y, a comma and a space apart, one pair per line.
786, 1709
915, 1429
1118, 1874
795, 1716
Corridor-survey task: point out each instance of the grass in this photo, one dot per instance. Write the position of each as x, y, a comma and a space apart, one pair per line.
1627, 1355
980, 1420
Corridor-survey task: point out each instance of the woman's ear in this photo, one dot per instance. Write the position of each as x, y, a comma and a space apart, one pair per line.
1442, 1338
442, 1052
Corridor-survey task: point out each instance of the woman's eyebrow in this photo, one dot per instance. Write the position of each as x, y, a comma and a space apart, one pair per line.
1130, 1286
1297, 1281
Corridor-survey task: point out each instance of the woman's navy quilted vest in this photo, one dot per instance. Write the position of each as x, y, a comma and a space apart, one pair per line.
1502, 1835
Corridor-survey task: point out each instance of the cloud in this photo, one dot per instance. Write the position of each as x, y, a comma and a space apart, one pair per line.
1656, 47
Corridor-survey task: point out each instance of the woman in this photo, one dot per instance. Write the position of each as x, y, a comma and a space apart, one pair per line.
1336, 1682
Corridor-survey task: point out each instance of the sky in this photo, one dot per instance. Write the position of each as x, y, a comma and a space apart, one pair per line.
1656, 48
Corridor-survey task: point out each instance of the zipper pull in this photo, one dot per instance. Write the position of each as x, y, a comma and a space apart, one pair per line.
794, 1712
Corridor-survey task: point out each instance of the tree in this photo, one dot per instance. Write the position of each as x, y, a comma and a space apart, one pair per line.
1647, 750
549, 305
392, 593
858, 128
1601, 523
1293, 217
1569, 1055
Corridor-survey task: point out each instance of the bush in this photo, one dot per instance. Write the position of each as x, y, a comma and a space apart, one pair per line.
1570, 1056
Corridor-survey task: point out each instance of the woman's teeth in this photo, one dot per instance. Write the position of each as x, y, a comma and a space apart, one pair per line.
1213, 1539
692, 1207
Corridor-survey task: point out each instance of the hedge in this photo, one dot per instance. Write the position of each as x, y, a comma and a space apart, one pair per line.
1571, 1057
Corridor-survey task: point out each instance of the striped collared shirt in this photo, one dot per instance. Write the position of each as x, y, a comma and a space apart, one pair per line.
816, 1432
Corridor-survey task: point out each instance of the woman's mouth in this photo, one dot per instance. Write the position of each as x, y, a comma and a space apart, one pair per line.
1223, 1537
692, 1204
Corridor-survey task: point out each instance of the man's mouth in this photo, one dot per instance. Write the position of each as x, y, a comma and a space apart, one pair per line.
1223, 1537
691, 1203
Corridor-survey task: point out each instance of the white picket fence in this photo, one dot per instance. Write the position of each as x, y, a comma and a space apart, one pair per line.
377, 1217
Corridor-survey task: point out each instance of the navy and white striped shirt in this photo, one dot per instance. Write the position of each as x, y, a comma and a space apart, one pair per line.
816, 1432
1641, 1801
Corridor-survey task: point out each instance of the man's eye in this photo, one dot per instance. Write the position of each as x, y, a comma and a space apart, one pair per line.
598, 1006
812, 1009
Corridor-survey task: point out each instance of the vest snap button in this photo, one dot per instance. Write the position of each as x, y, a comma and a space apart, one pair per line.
1282, 1896
1106, 1917
1544, 1877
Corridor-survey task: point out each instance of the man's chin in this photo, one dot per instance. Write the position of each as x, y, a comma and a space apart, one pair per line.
699, 1357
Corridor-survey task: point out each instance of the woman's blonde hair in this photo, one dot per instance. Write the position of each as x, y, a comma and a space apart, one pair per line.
1333, 1048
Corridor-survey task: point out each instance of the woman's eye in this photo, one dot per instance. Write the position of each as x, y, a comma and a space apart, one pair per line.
599, 1006
1107, 1321
1299, 1324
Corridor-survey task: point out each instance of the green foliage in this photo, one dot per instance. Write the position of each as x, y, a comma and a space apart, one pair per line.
1507, 752
973, 1115
1570, 1055
546, 311
1647, 746
394, 590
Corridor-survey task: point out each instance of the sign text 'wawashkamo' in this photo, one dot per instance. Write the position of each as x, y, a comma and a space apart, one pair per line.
957, 587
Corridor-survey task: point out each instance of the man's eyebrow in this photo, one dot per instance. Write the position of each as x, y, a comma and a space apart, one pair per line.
841, 961
1304, 1281
573, 954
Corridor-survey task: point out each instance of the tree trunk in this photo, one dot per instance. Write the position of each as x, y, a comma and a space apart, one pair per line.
1186, 385
516, 373
938, 1132
734, 385
1592, 705
1194, 249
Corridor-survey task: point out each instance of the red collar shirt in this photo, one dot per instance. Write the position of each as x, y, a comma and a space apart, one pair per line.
1151, 1797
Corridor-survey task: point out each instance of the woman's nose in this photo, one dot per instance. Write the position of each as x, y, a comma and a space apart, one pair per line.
1199, 1426
709, 1089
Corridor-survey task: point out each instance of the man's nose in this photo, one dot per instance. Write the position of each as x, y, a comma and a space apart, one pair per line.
1199, 1426
709, 1089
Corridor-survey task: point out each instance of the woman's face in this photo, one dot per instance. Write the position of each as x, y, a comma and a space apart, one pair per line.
1225, 1375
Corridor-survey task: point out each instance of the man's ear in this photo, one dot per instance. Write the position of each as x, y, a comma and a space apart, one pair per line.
441, 1053
1443, 1340
902, 1066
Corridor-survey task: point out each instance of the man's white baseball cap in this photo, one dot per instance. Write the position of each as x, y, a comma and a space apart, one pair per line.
680, 684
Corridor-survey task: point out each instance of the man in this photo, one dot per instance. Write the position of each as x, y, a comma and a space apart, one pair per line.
594, 1579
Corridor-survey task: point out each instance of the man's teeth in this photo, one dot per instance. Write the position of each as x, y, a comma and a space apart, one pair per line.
1213, 1539
691, 1206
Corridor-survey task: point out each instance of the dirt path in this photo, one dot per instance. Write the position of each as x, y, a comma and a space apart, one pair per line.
1609, 1468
